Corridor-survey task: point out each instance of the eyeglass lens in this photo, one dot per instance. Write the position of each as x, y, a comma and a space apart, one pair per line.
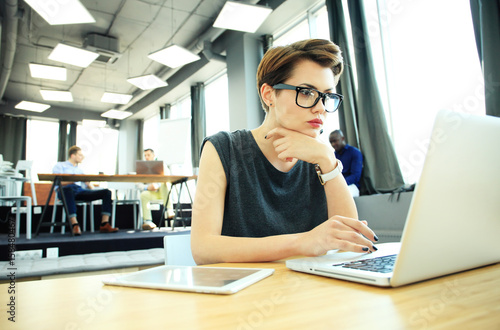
307, 98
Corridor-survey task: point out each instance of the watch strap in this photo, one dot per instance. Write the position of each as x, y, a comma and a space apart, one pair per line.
323, 178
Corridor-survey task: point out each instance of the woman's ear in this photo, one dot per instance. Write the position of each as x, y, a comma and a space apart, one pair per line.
267, 93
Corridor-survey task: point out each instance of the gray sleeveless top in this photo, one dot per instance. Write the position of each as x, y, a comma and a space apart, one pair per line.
261, 200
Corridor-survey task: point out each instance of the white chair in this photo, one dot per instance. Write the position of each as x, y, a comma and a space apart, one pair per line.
126, 193
25, 165
18, 200
178, 250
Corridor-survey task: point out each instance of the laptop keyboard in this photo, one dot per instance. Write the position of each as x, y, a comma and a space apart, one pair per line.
383, 264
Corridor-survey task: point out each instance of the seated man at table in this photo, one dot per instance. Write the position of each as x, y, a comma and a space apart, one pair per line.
351, 158
82, 191
152, 192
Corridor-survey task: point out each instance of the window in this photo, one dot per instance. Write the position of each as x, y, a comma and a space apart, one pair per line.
150, 134
43, 152
100, 147
151, 129
181, 108
217, 105
320, 22
298, 32
429, 66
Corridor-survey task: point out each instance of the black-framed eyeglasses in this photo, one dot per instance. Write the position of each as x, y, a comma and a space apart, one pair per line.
308, 97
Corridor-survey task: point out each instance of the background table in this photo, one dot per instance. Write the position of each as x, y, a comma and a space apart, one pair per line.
116, 177
59, 178
285, 300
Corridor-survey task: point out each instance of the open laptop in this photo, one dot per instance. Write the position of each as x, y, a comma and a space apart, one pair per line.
149, 167
453, 223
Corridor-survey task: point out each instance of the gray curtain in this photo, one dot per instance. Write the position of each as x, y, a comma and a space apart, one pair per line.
63, 137
66, 140
72, 134
198, 123
347, 113
13, 138
140, 139
362, 115
486, 21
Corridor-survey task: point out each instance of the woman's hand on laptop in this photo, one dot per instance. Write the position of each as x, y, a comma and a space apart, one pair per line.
338, 232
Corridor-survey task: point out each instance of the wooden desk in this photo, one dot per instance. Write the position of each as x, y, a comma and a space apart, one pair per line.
286, 300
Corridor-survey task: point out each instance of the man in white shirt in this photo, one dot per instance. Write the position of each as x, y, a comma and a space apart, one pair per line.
83, 192
154, 191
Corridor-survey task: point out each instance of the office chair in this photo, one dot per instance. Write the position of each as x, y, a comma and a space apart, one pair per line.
178, 250
84, 205
18, 200
25, 165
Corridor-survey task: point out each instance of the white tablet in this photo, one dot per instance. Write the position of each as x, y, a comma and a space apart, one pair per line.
219, 280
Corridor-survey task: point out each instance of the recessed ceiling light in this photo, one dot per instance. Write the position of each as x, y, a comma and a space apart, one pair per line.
73, 55
116, 98
116, 114
241, 17
62, 96
149, 81
61, 12
174, 56
48, 71
32, 106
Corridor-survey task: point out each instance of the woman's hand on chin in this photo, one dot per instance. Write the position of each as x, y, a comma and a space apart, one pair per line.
290, 144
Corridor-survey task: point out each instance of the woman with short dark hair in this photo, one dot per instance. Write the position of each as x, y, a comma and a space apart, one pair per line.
277, 191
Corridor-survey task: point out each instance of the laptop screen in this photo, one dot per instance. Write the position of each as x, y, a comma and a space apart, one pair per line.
149, 167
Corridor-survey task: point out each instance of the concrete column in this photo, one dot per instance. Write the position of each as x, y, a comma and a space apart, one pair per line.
244, 52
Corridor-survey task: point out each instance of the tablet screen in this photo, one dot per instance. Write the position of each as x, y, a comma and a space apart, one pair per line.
191, 276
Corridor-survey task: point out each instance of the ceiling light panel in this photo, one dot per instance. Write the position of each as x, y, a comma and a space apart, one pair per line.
61, 12
48, 72
61, 96
32, 106
116, 114
72, 55
241, 17
146, 82
117, 98
174, 56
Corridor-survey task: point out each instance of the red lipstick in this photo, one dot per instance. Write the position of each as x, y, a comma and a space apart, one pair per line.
316, 123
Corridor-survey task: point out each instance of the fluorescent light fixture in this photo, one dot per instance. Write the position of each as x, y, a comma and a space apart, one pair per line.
72, 55
48, 71
62, 96
93, 123
149, 81
241, 17
108, 97
32, 106
174, 56
61, 12
116, 114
